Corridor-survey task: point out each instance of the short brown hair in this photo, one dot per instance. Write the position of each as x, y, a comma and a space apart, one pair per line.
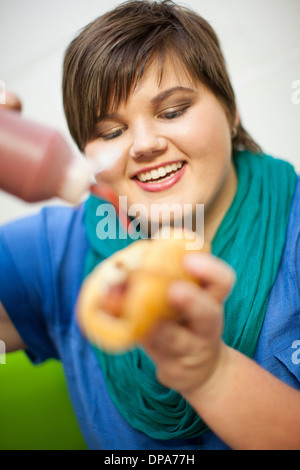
108, 57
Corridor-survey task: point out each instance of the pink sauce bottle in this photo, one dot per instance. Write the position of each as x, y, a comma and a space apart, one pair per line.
36, 163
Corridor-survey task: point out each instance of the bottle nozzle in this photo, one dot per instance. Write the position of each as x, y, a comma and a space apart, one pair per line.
77, 181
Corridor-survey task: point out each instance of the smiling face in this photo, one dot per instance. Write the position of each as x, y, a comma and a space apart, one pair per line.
173, 140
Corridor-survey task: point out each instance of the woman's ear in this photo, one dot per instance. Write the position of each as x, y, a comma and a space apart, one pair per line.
236, 123
237, 118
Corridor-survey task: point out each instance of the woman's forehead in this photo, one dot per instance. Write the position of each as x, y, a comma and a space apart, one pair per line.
171, 70
157, 75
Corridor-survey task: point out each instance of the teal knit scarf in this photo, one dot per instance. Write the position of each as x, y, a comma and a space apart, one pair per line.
250, 238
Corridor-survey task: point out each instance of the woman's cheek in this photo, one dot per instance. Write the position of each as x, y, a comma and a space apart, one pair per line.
108, 179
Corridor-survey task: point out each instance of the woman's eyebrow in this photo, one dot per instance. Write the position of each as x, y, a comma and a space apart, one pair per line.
155, 100
171, 91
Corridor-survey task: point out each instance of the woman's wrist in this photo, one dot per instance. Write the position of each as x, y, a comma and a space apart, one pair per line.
210, 389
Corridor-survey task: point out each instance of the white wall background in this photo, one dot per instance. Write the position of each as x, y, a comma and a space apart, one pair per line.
260, 41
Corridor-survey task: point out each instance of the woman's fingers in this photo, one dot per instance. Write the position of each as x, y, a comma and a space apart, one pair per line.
215, 276
187, 349
11, 102
198, 309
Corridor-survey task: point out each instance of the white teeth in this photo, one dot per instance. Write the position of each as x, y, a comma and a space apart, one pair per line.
143, 177
160, 172
154, 174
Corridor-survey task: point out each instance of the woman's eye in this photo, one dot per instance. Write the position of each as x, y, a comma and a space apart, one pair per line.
174, 114
112, 135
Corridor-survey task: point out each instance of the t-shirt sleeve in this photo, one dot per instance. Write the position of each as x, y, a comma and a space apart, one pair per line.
294, 235
26, 287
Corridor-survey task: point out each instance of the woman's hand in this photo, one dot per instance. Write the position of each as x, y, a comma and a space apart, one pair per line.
238, 399
189, 351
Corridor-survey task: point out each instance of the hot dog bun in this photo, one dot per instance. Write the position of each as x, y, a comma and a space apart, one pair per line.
125, 295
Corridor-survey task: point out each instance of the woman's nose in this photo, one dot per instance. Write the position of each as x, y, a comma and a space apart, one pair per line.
147, 142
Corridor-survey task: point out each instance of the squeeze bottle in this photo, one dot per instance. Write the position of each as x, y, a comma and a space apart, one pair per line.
36, 162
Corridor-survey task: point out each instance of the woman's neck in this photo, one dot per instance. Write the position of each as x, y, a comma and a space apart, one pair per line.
215, 212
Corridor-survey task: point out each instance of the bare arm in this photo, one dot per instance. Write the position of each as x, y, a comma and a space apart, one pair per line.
8, 332
248, 407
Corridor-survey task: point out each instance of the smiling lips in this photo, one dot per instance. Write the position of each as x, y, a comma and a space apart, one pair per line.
161, 178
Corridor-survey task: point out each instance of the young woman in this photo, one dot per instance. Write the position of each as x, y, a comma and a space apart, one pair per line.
147, 81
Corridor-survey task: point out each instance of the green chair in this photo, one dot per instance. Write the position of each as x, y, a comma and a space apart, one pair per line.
35, 410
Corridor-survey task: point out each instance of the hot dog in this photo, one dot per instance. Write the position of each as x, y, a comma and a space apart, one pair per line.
125, 295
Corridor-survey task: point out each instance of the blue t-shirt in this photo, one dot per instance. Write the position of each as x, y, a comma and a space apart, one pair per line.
42, 259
